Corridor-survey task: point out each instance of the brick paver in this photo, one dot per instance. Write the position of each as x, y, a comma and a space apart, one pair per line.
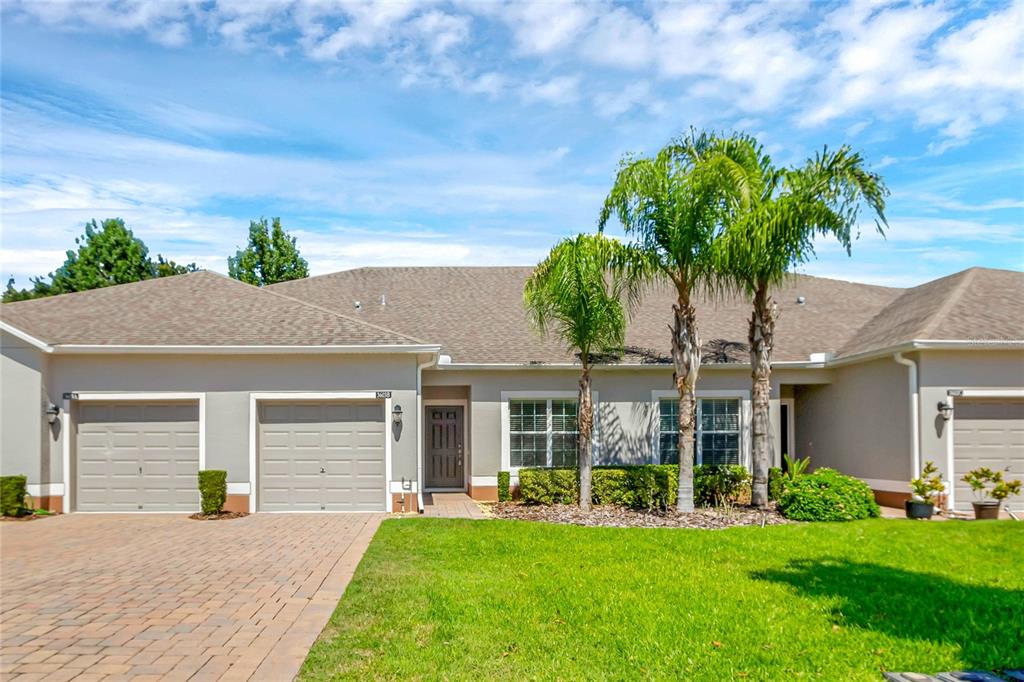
154, 596
451, 506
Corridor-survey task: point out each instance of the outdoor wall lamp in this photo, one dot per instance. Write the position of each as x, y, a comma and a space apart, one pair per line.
396, 414
946, 410
52, 412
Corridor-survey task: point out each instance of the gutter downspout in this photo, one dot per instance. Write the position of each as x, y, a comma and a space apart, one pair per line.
419, 428
915, 436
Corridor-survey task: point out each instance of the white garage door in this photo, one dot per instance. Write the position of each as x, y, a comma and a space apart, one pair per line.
988, 433
321, 456
137, 456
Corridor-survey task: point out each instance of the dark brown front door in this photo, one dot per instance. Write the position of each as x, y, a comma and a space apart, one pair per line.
445, 459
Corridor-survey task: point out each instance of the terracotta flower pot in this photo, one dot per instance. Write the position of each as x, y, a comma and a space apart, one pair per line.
989, 509
919, 510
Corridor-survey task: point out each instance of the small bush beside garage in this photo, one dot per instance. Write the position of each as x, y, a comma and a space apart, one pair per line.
213, 491
13, 490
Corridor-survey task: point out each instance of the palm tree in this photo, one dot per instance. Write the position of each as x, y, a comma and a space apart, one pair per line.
771, 230
673, 206
572, 294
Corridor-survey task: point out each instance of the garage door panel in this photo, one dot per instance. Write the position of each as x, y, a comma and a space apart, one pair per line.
297, 440
138, 455
988, 433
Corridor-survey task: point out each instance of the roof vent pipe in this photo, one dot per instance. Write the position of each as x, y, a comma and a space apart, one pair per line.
915, 436
800, 300
383, 299
358, 305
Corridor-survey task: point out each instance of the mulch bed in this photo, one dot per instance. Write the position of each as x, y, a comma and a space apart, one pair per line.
28, 517
220, 516
621, 517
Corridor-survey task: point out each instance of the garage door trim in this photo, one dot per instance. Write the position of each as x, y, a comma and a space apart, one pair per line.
373, 396
951, 396
136, 396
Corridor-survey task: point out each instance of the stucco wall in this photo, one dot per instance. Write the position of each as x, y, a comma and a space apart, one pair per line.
24, 431
227, 382
858, 424
941, 371
626, 411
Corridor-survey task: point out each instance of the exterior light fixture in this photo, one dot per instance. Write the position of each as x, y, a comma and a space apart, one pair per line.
52, 412
946, 410
396, 414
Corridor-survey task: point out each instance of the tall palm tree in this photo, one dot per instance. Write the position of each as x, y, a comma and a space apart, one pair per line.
673, 207
770, 231
573, 295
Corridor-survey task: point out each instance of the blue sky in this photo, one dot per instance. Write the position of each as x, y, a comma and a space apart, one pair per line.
471, 133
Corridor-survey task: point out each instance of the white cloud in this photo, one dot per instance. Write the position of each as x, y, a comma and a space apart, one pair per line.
542, 27
557, 90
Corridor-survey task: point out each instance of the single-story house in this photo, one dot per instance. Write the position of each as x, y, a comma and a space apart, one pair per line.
359, 390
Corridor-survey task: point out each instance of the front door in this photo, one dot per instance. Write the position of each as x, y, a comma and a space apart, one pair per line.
445, 460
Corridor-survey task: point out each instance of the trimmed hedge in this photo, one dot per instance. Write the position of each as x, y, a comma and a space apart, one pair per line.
644, 486
213, 486
827, 495
504, 492
776, 483
12, 495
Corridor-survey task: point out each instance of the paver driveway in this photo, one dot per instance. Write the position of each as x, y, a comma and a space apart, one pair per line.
85, 596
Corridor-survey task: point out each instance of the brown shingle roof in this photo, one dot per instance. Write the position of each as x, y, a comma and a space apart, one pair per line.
477, 316
976, 304
196, 309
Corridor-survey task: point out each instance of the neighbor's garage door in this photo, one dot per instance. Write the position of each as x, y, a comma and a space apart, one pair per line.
321, 456
137, 456
988, 433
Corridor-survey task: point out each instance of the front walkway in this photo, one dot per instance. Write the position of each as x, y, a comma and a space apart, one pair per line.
158, 596
451, 506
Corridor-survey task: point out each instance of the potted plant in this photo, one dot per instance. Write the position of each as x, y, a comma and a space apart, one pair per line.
925, 491
990, 489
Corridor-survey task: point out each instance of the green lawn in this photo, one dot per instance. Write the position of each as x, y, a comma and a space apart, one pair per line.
457, 599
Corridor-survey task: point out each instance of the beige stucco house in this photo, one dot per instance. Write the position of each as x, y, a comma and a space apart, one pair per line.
359, 390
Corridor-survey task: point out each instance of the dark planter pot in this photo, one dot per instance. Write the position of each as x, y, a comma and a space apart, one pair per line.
919, 510
989, 509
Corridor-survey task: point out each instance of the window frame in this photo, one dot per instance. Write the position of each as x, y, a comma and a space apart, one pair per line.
506, 424
744, 421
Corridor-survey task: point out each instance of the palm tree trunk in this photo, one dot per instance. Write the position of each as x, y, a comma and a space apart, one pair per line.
585, 423
686, 358
761, 337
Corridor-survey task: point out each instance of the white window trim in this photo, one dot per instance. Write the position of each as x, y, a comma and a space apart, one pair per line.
745, 413
466, 461
255, 398
141, 396
506, 422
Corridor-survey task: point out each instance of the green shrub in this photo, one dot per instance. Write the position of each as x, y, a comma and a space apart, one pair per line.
213, 486
548, 486
776, 483
12, 495
504, 493
827, 495
715, 484
645, 486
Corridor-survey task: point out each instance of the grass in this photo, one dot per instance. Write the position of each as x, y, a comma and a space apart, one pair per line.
458, 599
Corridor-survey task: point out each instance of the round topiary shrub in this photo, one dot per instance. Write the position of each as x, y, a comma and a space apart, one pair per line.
827, 495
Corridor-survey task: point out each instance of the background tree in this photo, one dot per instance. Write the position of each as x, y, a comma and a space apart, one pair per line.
772, 229
270, 257
572, 295
672, 206
107, 254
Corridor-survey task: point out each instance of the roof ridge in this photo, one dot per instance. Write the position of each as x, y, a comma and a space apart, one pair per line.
954, 297
149, 281
341, 315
